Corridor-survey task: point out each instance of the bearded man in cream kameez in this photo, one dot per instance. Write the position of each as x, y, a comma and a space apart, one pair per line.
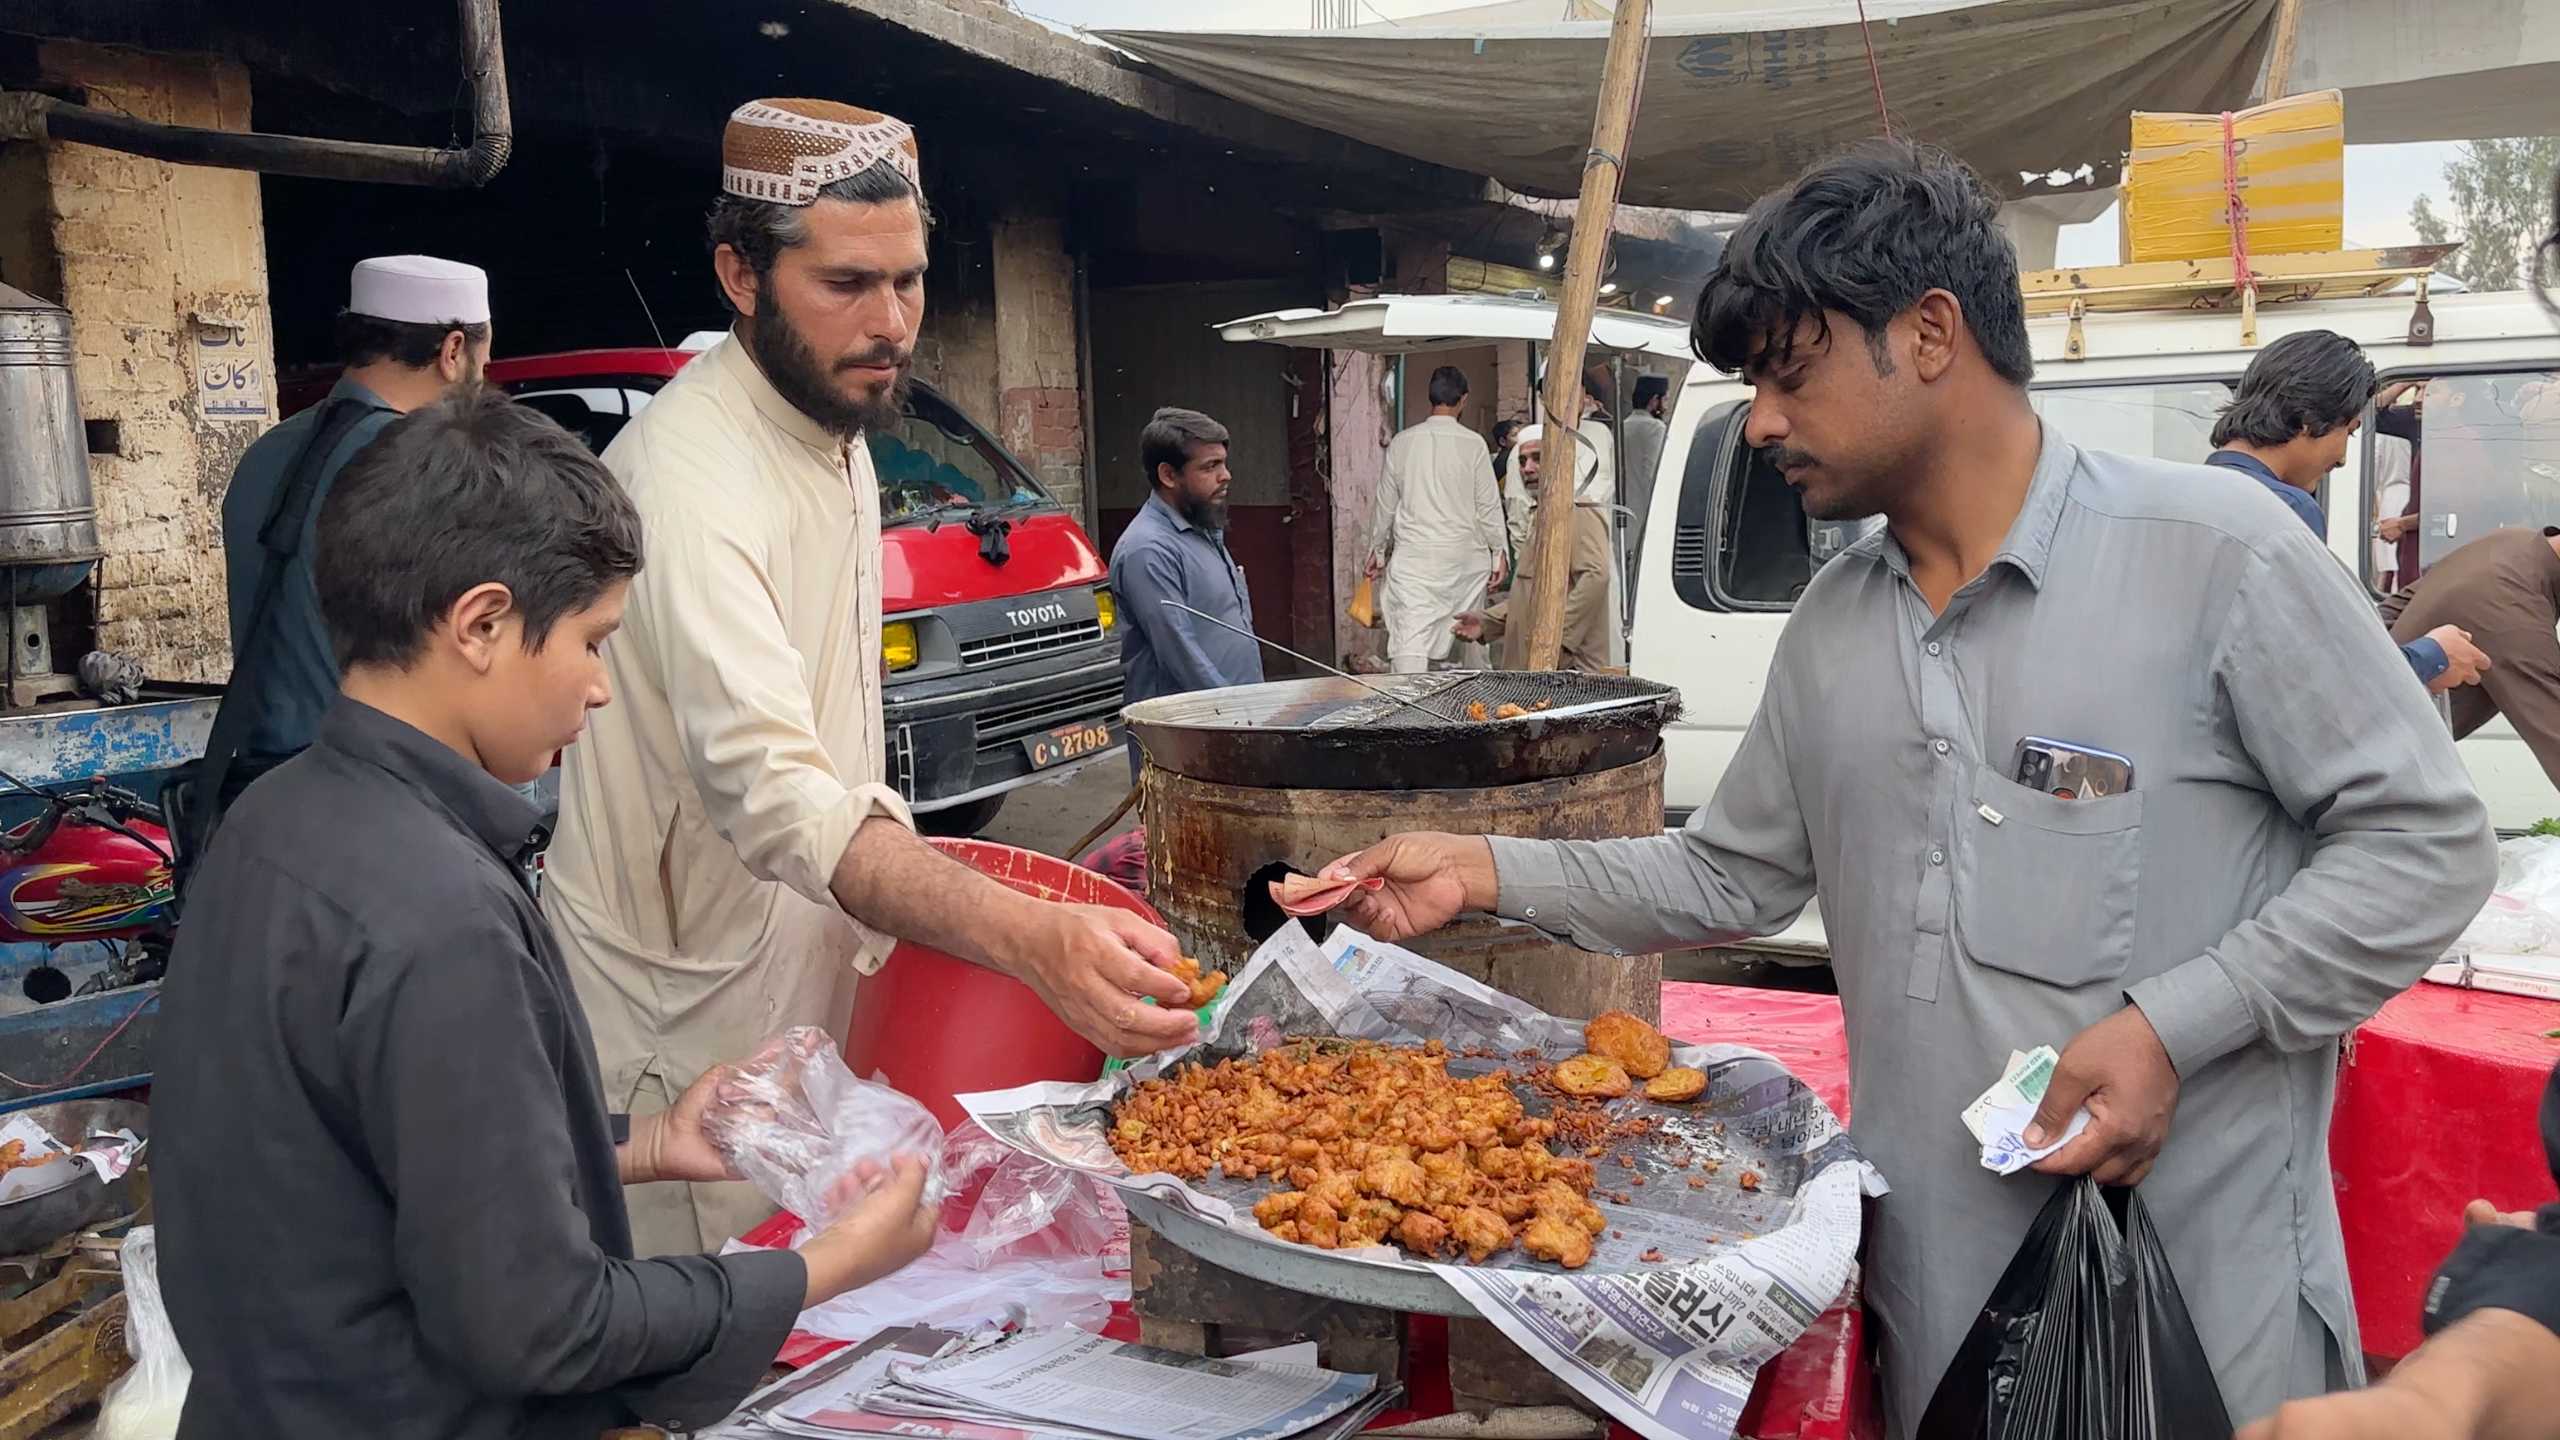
729, 856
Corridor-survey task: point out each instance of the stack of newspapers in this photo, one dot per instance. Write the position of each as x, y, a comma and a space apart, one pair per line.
1062, 1383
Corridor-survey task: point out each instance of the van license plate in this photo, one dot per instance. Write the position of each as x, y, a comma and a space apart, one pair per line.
1067, 742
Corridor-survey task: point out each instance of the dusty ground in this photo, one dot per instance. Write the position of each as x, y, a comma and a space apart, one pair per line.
1048, 816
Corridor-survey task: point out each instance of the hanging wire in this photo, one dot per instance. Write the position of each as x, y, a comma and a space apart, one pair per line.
1875, 72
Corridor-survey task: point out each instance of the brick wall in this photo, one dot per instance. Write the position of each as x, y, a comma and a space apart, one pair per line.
152, 260
1039, 409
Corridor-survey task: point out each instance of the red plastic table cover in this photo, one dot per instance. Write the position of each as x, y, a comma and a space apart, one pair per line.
2438, 1099
1822, 1388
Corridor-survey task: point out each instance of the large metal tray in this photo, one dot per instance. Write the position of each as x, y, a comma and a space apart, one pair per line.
1294, 1267
1332, 733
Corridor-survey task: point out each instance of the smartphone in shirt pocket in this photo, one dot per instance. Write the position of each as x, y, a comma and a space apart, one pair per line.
2070, 772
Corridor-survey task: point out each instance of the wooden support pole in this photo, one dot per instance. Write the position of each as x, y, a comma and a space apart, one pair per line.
2288, 26
1551, 540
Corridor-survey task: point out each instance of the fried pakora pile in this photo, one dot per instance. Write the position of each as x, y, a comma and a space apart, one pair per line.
1377, 1145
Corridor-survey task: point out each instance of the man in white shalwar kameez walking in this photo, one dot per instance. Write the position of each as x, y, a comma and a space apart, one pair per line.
1437, 532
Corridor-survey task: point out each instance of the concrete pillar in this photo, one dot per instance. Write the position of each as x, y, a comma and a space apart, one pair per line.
2035, 223
164, 270
1512, 382
1040, 411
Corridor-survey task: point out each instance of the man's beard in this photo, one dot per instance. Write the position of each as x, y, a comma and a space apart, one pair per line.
1208, 514
793, 367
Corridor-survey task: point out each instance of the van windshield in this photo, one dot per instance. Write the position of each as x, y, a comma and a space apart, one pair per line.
935, 463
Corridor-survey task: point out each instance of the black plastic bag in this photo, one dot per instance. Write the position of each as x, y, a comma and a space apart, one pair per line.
2084, 1338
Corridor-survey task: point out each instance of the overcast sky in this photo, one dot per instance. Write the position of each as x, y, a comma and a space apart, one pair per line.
2382, 180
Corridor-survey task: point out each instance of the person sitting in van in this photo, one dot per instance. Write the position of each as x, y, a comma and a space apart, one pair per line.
1586, 594
2287, 428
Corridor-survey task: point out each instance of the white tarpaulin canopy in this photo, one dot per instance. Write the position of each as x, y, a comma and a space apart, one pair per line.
1738, 98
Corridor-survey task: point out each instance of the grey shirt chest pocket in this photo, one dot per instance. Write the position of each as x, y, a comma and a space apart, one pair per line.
2046, 887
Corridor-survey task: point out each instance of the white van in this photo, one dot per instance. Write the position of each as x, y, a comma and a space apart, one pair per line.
1728, 547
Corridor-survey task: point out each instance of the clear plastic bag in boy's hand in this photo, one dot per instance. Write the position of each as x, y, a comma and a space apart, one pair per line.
2084, 1338
813, 1138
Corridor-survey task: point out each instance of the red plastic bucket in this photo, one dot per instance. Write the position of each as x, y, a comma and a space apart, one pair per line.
936, 1026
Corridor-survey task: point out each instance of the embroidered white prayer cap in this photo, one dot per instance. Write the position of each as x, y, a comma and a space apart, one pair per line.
420, 290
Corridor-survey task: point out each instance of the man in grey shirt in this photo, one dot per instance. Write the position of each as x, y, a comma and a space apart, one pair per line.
2299, 840
1176, 550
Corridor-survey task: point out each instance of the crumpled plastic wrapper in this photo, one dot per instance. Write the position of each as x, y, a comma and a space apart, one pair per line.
798, 1124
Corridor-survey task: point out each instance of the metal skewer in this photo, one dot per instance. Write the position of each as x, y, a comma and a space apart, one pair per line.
1311, 660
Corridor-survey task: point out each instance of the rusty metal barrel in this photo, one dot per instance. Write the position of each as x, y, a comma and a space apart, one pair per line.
1245, 784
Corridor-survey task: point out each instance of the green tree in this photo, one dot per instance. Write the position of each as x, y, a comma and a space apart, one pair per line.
2499, 190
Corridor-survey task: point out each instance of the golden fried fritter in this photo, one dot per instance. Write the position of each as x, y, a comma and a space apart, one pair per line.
1395, 1179
1676, 1084
1483, 1233
1549, 1238
1627, 1039
1593, 1077
1319, 1223
1422, 1233
1204, 988
1339, 1189
1559, 1201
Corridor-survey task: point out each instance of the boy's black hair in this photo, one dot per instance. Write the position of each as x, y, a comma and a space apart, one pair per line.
2308, 383
472, 489
1865, 233
1650, 388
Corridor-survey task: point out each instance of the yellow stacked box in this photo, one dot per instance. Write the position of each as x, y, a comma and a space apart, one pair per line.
2290, 160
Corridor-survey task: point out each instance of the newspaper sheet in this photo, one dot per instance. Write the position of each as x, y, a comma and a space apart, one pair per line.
820, 1395
1065, 1381
830, 1399
1671, 1346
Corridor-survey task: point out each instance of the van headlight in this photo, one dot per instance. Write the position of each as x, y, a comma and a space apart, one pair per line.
898, 648
1105, 610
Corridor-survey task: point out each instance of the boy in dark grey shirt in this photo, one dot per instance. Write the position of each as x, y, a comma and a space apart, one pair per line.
390, 1192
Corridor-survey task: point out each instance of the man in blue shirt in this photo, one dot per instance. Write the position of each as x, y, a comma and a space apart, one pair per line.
2288, 426
1177, 550
414, 329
